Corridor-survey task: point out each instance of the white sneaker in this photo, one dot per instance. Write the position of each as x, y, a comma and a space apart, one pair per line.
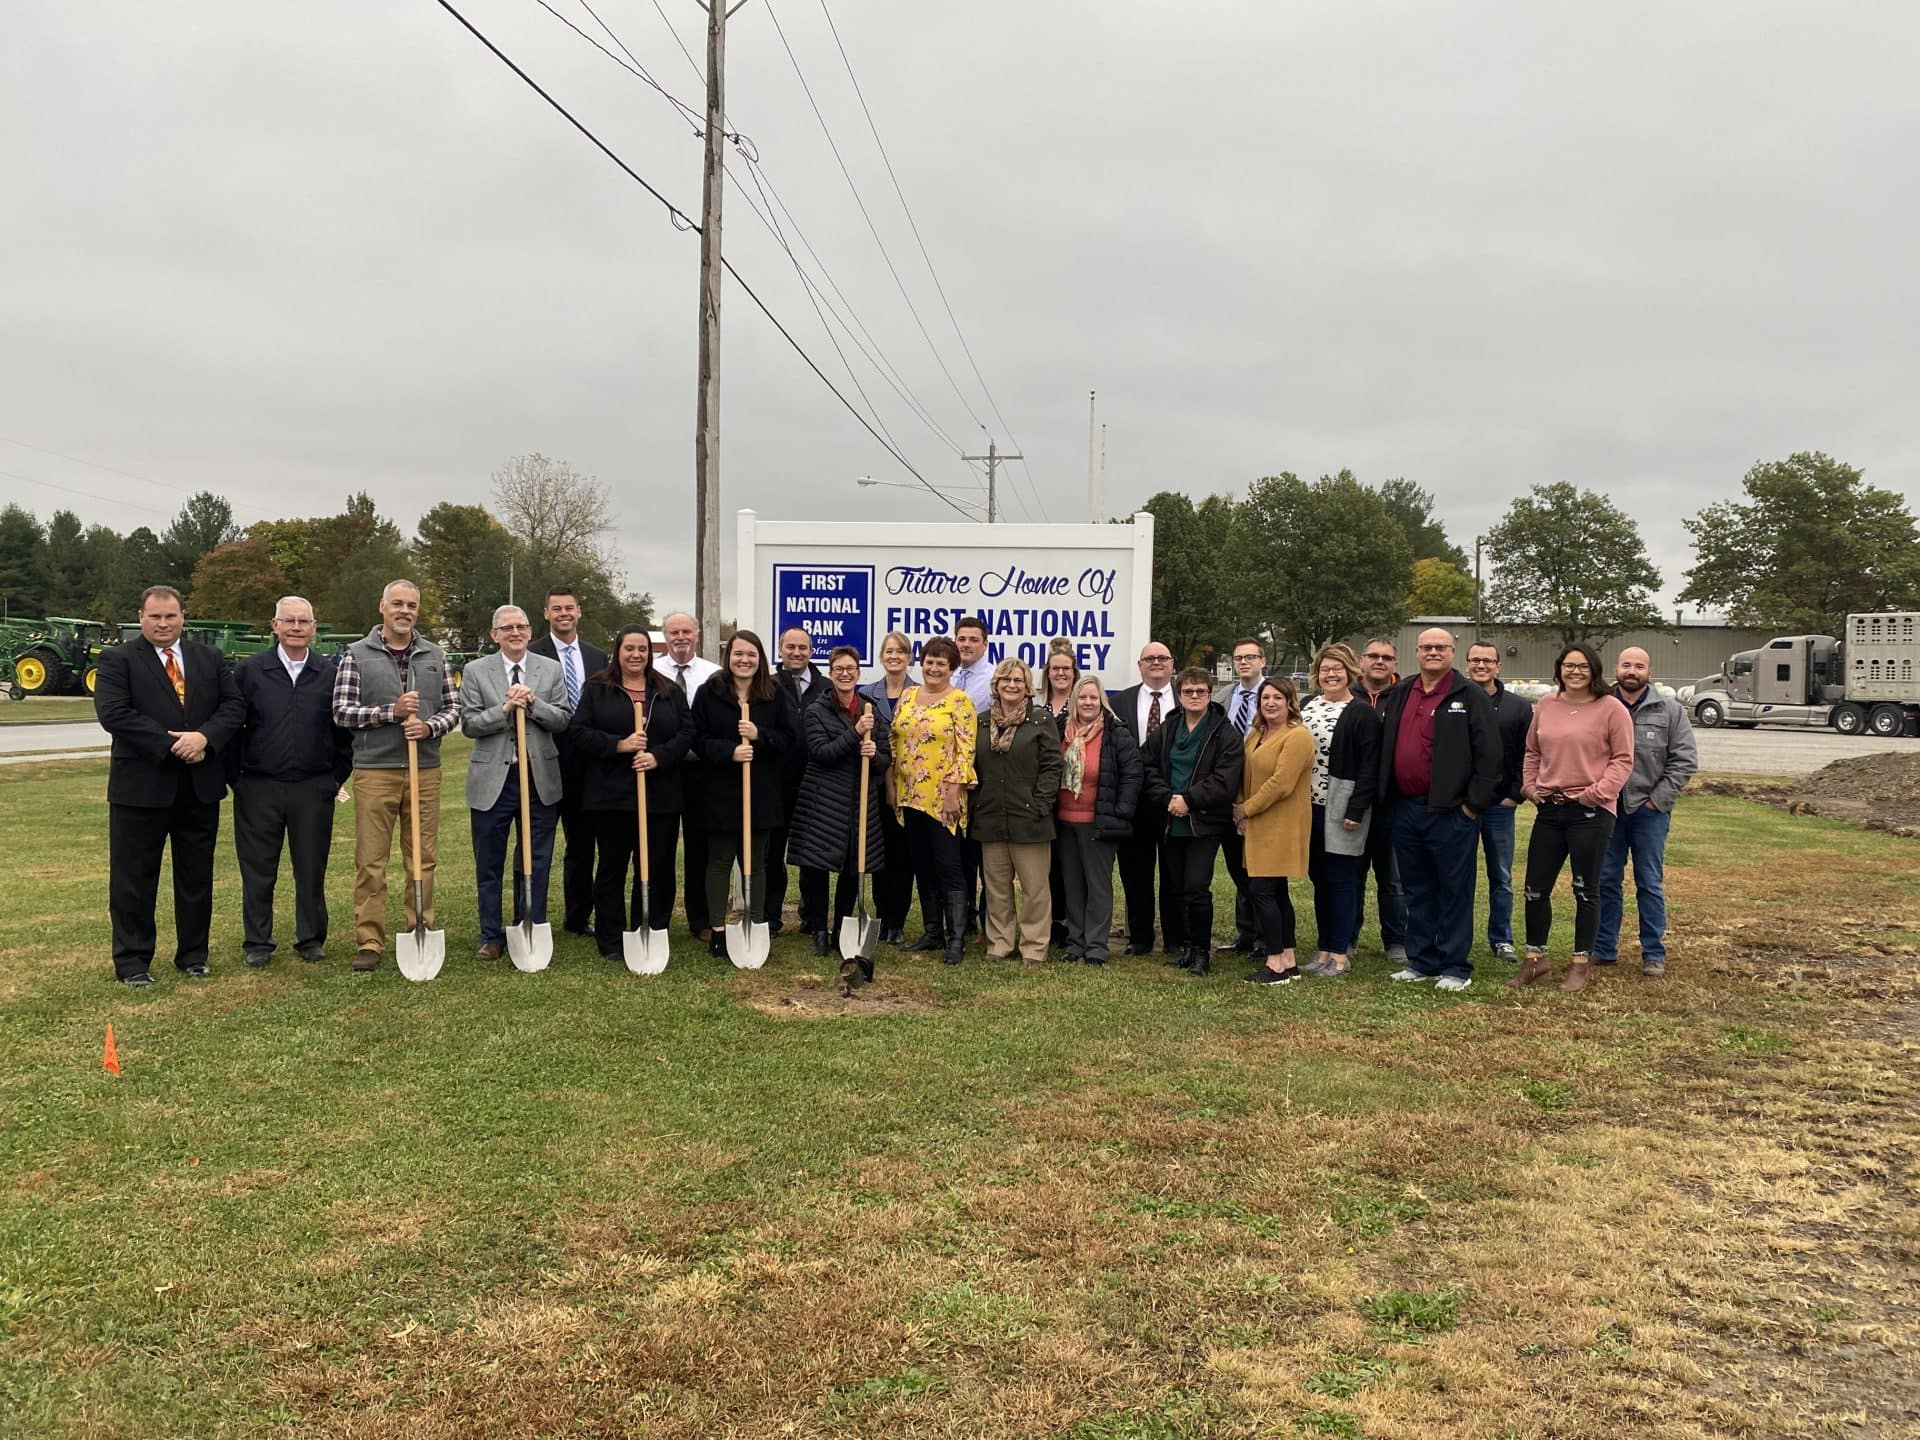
1451, 983
1408, 977
1397, 955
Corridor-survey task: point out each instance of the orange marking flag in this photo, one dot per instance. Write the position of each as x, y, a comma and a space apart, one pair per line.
110, 1059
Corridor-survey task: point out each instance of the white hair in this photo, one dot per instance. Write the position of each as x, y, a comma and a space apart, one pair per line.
393, 585
500, 613
280, 605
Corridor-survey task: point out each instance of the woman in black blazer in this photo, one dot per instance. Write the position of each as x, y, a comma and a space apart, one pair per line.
613, 752
1192, 769
726, 743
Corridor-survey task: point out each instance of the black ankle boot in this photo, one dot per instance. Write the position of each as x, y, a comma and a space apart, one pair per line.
1198, 961
956, 927
934, 937
822, 942
717, 946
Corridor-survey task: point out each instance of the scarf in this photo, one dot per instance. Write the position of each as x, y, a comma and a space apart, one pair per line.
1000, 732
1073, 764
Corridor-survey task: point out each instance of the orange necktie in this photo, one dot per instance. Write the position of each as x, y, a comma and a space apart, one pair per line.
179, 680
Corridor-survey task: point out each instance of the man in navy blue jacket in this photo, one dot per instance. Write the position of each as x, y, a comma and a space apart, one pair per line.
288, 767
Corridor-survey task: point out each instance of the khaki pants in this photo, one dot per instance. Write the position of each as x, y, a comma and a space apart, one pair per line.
379, 804
1001, 864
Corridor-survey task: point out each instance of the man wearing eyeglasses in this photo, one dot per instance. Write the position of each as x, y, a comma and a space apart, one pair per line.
1440, 767
1379, 673
1146, 707
1239, 699
1512, 714
493, 690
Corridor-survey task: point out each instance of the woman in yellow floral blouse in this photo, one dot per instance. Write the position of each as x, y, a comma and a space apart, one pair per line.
934, 733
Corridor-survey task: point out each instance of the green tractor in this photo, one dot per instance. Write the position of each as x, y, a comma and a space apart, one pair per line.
54, 656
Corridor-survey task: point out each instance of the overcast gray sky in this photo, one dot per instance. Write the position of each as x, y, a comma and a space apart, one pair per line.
287, 252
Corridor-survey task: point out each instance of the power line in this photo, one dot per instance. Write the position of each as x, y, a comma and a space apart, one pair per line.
85, 494
96, 465
690, 224
763, 210
913, 225
872, 229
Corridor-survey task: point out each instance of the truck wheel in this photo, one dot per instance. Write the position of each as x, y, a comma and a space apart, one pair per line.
1886, 720
1709, 715
40, 672
1849, 719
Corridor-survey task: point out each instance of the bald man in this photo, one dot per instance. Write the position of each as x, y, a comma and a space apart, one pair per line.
1440, 769
1664, 759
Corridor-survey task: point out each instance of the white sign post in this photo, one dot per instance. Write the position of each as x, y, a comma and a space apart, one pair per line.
851, 583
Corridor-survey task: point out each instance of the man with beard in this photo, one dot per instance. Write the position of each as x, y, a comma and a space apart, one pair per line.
1664, 759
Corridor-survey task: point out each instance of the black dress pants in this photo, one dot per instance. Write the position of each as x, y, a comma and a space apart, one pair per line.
576, 874
137, 836
616, 906
1139, 857
693, 849
266, 812
813, 896
893, 886
1186, 887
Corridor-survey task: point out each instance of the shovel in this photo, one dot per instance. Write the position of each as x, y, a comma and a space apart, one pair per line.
529, 946
645, 948
859, 932
418, 952
747, 938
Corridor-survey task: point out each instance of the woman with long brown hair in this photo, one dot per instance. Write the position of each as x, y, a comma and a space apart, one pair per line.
740, 718
1274, 816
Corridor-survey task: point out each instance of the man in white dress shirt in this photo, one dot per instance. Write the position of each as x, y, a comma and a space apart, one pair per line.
578, 660
1147, 706
681, 663
1239, 698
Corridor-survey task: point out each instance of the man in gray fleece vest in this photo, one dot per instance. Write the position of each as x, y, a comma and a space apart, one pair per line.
390, 688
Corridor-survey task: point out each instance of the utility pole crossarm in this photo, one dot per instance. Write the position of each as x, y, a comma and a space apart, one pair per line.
993, 457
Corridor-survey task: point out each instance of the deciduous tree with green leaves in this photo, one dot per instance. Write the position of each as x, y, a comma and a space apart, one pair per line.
1811, 544
204, 524
1192, 616
1412, 507
240, 581
1439, 587
461, 555
1320, 561
1570, 561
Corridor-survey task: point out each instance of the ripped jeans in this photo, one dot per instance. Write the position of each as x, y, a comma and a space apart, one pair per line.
1563, 832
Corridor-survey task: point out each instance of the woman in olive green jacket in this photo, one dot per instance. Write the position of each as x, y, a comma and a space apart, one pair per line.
1016, 765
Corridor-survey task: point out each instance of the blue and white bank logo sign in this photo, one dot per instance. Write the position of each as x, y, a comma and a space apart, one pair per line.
832, 603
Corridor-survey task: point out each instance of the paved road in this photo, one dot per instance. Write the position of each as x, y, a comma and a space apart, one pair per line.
1785, 752
77, 735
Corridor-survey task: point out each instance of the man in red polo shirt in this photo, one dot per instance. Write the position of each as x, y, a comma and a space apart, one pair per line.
1440, 765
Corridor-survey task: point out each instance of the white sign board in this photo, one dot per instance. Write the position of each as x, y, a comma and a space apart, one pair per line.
849, 584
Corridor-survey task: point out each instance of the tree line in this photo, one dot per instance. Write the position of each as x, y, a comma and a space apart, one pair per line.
548, 525
1304, 562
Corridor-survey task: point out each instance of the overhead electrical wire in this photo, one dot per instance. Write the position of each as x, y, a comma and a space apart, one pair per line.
683, 218
763, 210
913, 225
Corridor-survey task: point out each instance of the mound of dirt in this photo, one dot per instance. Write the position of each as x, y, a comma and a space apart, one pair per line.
1879, 792
808, 997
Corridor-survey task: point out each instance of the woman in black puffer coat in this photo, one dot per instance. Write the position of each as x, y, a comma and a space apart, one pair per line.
823, 832
1099, 792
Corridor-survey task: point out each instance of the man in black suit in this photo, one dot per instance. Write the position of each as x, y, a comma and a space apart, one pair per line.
172, 709
1146, 707
290, 763
804, 684
578, 660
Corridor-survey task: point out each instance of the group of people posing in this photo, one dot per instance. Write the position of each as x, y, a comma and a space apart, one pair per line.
1009, 800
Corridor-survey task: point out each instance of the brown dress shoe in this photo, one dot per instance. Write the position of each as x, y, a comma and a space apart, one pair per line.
1537, 967
367, 960
489, 951
1576, 976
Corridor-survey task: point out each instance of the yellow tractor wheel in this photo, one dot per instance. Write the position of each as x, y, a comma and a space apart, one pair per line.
33, 673
93, 677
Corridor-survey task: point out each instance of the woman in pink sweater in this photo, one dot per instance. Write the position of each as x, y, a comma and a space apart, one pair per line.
1579, 754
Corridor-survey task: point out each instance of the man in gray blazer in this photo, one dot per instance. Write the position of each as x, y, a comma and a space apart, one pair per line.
492, 690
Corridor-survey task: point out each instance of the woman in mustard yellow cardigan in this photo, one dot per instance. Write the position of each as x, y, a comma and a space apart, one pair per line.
1275, 817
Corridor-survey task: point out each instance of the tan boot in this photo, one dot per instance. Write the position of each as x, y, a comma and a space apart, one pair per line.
1576, 976
1535, 968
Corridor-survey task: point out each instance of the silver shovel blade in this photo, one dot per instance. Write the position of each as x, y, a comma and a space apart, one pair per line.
530, 947
748, 943
859, 936
645, 951
420, 954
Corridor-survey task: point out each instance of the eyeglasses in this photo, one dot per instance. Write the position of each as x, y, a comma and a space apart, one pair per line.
1375, 655
1196, 690
1156, 659
1576, 669
1252, 656
1433, 649
513, 627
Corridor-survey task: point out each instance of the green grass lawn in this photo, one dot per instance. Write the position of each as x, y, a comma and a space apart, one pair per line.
1111, 1204
46, 709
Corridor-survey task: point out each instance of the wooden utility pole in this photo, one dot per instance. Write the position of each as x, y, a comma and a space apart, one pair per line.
993, 457
706, 441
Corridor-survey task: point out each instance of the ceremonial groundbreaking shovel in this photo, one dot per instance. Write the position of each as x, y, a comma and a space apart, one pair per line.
418, 952
747, 939
859, 933
645, 948
529, 946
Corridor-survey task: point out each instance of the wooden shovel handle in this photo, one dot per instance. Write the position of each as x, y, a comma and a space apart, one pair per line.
526, 796
746, 810
413, 801
860, 863
640, 792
